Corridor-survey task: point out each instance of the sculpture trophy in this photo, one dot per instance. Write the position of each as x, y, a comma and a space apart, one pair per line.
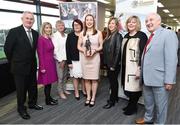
88, 46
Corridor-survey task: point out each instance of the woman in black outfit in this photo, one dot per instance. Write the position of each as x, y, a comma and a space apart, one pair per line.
73, 58
132, 48
111, 51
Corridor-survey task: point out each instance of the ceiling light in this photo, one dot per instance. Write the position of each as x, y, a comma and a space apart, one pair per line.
175, 19
171, 15
160, 4
166, 11
103, 1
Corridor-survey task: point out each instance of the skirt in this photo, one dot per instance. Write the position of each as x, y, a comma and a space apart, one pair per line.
76, 71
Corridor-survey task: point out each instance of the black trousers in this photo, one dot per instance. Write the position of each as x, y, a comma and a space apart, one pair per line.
113, 80
24, 84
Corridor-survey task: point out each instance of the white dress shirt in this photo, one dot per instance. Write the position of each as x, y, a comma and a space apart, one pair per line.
59, 42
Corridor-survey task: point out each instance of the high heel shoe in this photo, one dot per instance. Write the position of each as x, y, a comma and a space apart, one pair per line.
77, 98
92, 103
87, 103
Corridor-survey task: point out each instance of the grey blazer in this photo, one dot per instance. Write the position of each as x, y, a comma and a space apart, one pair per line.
160, 60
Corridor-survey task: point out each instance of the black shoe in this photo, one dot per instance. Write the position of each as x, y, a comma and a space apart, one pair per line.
51, 103
125, 108
24, 115
84, 94
36, 107
87, 103
92, 103
108, 105
77, 98
130, 111
53, 100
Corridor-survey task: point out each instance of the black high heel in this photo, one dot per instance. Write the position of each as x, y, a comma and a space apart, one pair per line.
87, 103
77, 98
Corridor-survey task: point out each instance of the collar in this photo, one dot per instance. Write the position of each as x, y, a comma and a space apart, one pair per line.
26, 29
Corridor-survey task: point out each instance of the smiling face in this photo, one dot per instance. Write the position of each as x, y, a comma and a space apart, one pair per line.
27, 20
77, 27
89, 22
60, 27
153, 21
112, 25
48, 29
132, 25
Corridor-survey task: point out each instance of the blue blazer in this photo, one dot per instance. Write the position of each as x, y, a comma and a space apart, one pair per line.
160, 60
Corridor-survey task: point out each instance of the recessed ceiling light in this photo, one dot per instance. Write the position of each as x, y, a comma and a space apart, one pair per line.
160, 4
171, 15
166, 11
103, 1
175, 19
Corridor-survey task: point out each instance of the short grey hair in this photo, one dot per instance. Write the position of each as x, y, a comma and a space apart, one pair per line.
27, 12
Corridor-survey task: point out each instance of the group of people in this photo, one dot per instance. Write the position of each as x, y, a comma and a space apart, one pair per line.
143, 64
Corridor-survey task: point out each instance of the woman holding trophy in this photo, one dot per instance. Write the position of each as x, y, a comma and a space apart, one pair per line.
90, 44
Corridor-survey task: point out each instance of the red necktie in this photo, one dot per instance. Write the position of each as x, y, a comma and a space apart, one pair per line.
148, 41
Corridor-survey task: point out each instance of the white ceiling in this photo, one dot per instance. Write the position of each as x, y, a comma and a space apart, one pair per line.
172, 5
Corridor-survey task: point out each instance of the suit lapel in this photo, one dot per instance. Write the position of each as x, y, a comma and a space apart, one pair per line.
156, 35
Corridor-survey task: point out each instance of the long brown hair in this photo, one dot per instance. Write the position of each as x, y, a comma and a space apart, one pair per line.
85, 27
117, 24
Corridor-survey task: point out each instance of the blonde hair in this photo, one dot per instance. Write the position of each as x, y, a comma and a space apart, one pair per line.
43, 26
136, 18
116, 22
59, 22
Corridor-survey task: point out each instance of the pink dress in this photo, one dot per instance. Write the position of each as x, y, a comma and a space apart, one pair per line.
91, 65
45, 51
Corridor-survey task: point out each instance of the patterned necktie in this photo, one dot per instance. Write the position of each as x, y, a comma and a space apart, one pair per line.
148, 41
30, 37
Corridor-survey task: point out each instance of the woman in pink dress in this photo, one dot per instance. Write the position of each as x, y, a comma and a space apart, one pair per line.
47, 68
90, 44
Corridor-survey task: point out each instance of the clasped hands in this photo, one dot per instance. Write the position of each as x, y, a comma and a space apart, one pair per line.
89, 53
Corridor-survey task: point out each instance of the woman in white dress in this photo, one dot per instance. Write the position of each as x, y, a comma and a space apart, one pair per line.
73, 58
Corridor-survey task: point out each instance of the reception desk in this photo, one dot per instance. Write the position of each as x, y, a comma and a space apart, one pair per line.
7, 85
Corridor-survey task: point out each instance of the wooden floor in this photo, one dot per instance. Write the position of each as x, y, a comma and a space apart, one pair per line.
71, 111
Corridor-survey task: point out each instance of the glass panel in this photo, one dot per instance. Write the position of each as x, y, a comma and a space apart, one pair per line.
51, 20
6, 23
51, 11
17, 6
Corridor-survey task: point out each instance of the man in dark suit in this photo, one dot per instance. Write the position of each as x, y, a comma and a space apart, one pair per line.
20, 50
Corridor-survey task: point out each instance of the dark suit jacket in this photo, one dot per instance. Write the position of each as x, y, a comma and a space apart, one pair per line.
19, 52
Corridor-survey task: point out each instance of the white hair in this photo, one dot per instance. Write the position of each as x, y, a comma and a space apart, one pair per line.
156, 15
27, 12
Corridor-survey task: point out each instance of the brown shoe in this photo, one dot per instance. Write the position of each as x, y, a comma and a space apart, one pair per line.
142, 121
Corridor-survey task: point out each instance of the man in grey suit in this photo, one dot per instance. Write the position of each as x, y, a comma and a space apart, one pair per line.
158, 71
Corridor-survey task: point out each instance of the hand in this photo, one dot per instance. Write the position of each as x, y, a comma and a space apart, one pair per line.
88, 53
138, 73
93, 52
70, 66
43, 71
168, 87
